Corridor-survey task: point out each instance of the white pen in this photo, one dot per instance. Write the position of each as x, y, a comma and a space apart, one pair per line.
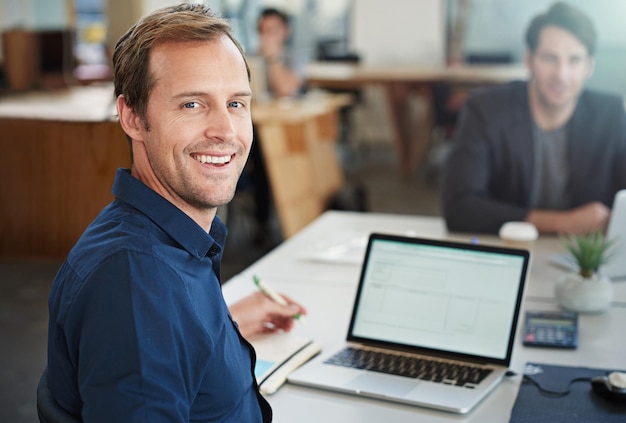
273, 295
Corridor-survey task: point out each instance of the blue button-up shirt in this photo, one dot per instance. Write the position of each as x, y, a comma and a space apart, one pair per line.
139, 330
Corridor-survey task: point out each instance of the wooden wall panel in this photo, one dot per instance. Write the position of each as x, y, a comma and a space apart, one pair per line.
54, 179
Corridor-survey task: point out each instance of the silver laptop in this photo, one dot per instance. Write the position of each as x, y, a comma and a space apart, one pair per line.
616, 230
433, 324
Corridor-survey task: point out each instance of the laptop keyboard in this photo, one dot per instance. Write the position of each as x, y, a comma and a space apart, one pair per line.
402, 365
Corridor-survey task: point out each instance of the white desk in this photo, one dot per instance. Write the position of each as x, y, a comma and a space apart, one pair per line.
328, 289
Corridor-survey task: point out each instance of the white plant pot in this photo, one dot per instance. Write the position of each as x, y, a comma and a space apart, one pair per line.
584, 295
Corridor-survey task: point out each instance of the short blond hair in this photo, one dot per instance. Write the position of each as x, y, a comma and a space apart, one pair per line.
180, 23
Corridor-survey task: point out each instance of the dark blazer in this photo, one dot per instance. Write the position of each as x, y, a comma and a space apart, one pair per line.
488, 175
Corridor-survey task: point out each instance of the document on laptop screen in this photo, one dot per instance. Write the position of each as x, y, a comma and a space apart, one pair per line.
438, 297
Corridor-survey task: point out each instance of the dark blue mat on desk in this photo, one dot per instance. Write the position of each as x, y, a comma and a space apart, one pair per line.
580, 405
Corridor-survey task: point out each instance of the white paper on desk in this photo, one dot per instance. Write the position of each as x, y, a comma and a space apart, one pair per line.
349, 251
279, 354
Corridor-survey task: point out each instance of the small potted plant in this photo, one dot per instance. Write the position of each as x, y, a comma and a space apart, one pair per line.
586, 291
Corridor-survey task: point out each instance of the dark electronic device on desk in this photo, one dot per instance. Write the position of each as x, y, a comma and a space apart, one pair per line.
558, 329
612, 386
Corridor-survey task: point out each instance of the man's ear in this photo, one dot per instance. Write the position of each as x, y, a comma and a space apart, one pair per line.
130, 121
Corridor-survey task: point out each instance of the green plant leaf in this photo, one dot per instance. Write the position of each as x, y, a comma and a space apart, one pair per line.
589, 251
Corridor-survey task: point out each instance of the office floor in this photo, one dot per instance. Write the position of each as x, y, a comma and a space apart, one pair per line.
24, 285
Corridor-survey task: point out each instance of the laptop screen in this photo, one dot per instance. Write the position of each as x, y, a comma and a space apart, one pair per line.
439, 295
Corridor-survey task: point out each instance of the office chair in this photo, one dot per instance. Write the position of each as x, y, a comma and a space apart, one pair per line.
48, 409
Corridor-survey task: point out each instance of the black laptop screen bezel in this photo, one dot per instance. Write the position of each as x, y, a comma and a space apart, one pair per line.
524, 254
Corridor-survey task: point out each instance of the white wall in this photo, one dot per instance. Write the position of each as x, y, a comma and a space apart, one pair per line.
16, 14
33, 14
399, 31
500, 25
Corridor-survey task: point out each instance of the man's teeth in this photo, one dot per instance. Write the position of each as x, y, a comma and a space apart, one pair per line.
213, 159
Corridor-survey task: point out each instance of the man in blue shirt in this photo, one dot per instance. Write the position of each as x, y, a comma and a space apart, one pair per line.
139, 330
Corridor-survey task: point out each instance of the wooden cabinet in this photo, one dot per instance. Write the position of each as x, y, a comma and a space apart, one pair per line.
58, 165
55, 177
299, 148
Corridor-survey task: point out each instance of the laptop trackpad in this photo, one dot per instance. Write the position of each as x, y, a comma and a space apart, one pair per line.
382, 384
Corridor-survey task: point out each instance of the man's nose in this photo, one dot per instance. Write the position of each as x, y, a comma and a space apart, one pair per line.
221, 124
563, 68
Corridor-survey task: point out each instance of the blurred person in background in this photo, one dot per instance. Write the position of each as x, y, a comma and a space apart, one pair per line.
283, 70
547, 150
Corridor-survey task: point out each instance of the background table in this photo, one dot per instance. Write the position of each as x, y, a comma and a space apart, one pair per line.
350, 76
61, 149
299, 143
399, 82
327, 289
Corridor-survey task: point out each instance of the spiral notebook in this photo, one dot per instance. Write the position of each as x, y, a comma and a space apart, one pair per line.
279, 354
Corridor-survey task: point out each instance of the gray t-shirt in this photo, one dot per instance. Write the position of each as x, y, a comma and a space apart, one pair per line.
551, 169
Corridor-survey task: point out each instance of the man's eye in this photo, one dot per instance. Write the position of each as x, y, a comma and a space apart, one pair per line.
190, 105
235, 104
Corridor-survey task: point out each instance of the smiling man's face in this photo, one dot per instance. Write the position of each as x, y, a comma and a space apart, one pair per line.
198, 130
559, 67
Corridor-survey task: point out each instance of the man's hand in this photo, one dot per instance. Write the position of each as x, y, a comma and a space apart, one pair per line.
580, 220
257, 313
587, 218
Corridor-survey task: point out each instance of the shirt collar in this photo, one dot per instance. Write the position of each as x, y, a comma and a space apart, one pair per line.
170, 218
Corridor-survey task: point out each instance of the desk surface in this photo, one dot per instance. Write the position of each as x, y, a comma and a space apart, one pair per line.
324, 73
96, 103
93, 103
297, 109
327, 289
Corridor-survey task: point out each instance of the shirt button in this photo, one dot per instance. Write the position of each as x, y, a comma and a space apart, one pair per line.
214, 250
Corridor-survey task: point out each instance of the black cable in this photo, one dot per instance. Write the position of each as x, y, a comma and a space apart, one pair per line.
555, 394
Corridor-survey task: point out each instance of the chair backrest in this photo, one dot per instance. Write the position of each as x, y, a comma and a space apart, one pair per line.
48, 409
